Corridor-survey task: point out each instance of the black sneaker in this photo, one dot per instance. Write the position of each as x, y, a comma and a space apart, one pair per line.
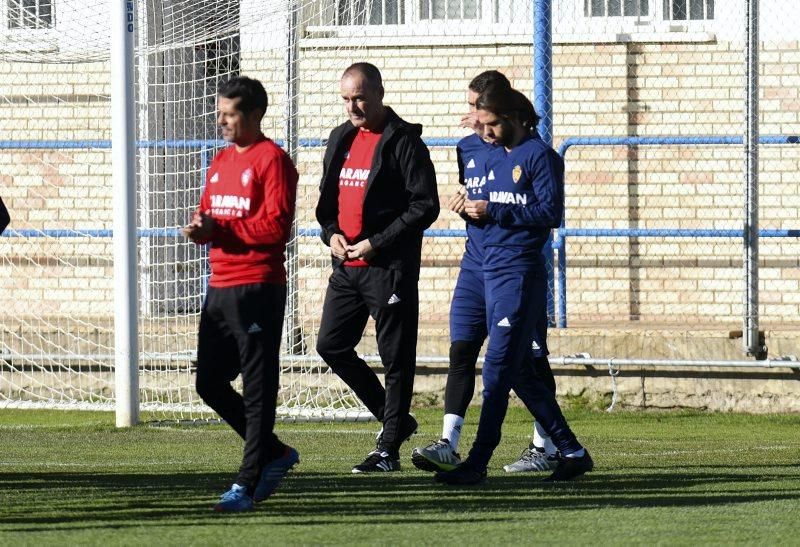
377, 461
463, 475
569, 468
407, 429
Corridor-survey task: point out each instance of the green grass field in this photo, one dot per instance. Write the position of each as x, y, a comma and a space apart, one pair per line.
676, 478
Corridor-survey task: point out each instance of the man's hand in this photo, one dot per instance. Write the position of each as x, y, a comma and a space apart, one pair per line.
471, 121
200, 228
456, 201
476, 209
339, 246
360, 251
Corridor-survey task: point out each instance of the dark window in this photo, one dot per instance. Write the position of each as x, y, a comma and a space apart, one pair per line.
616, 8
30, 14
682, 10
370, 12
449, 9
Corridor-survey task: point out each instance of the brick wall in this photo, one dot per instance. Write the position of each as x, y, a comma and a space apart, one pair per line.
599, 90
55, 189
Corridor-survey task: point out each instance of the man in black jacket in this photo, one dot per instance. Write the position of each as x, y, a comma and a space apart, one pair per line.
377, 196
4, 216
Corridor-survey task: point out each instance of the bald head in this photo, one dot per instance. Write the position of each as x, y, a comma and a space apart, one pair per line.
370, 73
362, 92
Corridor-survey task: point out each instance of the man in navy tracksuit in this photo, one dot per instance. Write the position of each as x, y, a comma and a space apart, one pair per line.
377, 196
525, 190
468, 328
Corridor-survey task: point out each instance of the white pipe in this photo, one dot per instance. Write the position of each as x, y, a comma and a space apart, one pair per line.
616, 363
787, 362
123, 158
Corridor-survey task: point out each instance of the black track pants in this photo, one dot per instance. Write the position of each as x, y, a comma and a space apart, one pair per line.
240, 332
391, 297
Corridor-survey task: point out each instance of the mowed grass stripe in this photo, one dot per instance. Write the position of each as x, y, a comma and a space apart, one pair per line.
674, 478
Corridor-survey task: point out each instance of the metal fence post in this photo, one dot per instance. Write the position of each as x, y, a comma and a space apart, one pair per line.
543, 103
750, 338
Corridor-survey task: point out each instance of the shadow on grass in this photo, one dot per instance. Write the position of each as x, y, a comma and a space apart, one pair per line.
74, 501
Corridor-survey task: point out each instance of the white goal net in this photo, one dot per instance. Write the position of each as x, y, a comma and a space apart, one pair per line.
57, 329
647, 106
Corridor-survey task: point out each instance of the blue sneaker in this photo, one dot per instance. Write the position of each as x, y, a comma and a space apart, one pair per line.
272, 474
234, 500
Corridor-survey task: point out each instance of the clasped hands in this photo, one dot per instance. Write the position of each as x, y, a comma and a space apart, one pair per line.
358, 251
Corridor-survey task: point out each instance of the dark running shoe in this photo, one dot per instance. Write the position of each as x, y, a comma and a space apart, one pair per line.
463, 475
569, 468
407, 429
378, 462
273, 473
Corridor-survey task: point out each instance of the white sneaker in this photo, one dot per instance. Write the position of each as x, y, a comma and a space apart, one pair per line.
437, 456
532, 459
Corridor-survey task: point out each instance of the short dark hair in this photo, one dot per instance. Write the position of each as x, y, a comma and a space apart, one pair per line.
252, 94
369, 71
507, 102
482, 81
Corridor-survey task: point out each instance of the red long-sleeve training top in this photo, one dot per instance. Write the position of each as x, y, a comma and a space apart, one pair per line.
251, 196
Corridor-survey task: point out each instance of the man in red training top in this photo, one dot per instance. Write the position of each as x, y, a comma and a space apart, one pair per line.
377, 197
245, 213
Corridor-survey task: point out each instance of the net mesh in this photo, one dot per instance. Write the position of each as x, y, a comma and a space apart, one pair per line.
653, 227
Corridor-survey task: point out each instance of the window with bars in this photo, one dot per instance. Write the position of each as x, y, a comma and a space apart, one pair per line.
693, 10
399, 12
435, 10
30, 14
369, 12
673, 10
616, 8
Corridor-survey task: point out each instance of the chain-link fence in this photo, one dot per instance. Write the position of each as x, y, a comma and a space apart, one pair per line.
648, 109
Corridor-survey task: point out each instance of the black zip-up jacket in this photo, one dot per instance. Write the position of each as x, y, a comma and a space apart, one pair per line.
4, 216
400, 199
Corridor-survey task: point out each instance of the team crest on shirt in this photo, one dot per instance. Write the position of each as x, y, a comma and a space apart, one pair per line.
214, 178
516, 174
471, 163
491, 175
247, 174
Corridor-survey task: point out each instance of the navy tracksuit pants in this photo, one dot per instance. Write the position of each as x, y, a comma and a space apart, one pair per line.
516, 310
468, 308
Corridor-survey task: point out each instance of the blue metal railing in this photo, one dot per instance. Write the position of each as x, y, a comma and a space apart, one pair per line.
197, 144
205, 146
667, 140
560, 243
174, 232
